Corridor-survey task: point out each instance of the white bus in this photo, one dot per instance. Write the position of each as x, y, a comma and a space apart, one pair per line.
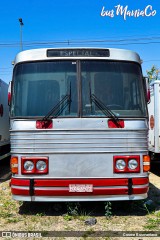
79, 126
154, 121
4, 121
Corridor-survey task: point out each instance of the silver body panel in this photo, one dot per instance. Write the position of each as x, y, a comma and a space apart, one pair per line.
40, 54
80, 198
78, 148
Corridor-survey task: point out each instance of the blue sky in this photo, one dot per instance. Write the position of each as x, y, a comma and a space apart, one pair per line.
63, 23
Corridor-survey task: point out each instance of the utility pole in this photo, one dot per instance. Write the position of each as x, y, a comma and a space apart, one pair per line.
21, 25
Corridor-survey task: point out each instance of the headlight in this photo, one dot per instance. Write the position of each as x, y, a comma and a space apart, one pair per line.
41, 165
120, 164
132, 164
28, 165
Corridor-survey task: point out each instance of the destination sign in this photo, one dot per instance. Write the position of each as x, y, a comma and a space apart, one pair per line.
78, 53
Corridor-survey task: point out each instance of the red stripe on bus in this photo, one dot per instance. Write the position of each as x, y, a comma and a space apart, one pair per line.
140, 181
94, 182
65, 192
66, 182
140, 190
17, 191
20, 182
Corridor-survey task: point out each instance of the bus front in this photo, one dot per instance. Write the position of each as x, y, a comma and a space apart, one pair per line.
78, 126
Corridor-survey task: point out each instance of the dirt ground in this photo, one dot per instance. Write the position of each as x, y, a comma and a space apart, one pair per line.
80, 220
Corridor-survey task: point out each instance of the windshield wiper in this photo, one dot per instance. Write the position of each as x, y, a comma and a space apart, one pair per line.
59, 107
106, 110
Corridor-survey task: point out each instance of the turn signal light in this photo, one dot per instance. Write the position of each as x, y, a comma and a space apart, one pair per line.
14, 164
146, 163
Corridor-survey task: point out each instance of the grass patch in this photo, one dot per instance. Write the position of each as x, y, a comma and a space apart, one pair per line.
153, 222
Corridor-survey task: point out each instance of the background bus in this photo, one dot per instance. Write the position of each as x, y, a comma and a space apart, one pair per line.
4, 121
154, 121
79, 126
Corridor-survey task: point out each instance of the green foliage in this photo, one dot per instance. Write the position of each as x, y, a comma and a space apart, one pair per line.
73, 208
153, 223
108, 209
75, 211
67, 217
40, 214
153, 73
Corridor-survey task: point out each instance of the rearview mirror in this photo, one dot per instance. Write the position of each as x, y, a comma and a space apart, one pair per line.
147, 89
9, 93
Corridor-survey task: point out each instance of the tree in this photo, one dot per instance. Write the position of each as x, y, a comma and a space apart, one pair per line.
153, 74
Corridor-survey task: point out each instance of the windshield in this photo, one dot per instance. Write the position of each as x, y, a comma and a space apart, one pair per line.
118, 85
40, 87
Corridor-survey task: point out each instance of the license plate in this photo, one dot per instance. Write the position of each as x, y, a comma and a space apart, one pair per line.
80, 188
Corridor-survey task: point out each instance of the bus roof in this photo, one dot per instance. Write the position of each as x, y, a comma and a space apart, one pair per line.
44, 54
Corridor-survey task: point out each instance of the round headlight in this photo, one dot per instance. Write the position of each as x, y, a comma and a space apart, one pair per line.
28, 165
132, 164
120, 164
41, 165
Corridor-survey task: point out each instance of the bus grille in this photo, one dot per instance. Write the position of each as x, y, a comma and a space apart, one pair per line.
73, 141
